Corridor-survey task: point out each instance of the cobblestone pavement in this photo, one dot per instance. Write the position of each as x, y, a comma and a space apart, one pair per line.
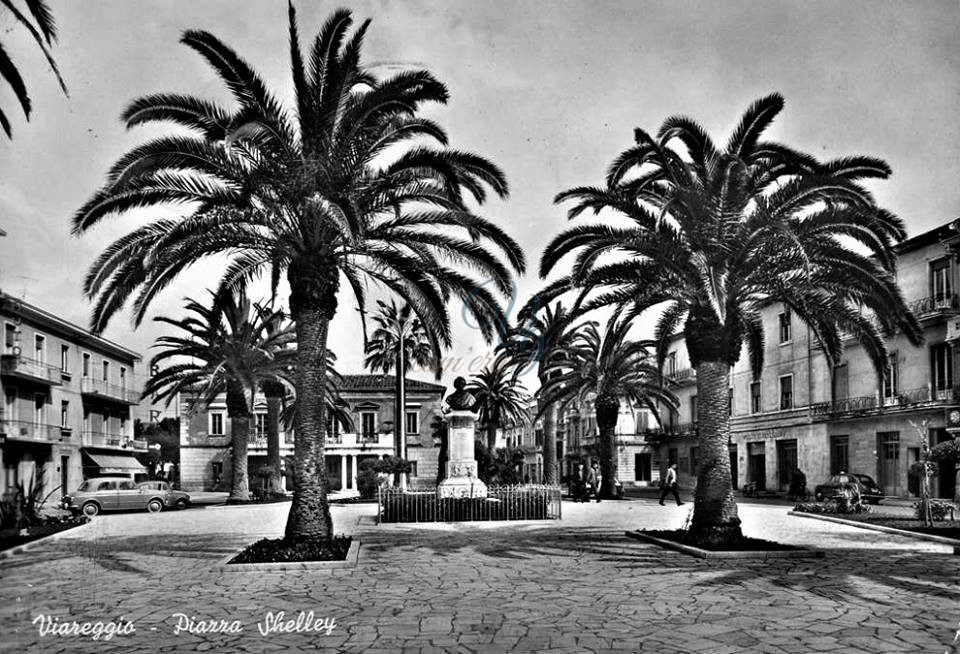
564, 587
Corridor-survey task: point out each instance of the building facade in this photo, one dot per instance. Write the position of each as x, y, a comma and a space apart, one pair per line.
803, 413
67, 402
205, 462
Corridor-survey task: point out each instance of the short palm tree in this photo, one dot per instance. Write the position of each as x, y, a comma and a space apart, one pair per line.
605, 369
712, 237
44, 33
501, 399
228, 347
343, 187
398, 342
542, 342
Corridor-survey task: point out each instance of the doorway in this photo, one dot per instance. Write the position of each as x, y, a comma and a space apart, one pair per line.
64, 474
733, 466
888, 461
757, 465
946, 472
786, 462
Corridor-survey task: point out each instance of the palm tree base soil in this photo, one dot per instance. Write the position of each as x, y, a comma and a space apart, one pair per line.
13, 538
282, 550
945, 528
267, 499
741, 544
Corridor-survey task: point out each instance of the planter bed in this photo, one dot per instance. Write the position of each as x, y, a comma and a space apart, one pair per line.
279, 554
13, 544
948, 533
748, 548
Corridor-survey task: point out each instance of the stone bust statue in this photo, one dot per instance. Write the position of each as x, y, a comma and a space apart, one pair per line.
461, 399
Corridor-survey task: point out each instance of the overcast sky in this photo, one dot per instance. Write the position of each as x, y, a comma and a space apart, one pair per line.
551, 91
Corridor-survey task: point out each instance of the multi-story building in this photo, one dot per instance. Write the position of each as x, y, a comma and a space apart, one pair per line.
801, 413
67, 401
205, 435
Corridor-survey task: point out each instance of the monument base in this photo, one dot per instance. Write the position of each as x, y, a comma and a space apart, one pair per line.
461, 487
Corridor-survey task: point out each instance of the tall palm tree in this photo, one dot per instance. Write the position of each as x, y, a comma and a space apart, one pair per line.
399, 341
340, 188
543, 341
716, 235
606, 368
227, 347
44, 33
501, 399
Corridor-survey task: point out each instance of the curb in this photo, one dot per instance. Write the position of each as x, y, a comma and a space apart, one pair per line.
710, 554
890, 530
284, 566
20, 549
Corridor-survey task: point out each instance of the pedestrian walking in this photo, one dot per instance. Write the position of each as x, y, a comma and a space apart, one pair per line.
670, 485
579, 483
595, 480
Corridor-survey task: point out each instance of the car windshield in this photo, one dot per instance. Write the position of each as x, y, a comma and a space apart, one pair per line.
84, 487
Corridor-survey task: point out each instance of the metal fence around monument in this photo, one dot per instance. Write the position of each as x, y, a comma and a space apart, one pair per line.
524, 502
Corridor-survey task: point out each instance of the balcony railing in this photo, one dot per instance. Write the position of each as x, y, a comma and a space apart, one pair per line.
943, 303
19, 366
23, 430
109, 439
903, 399
678, 430
100, 388
682, 376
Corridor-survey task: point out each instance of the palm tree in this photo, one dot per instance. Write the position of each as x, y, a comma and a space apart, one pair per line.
715, 236
44, 33
230, 346
340, 188
398, 341
501, 399
543, 340
605, 368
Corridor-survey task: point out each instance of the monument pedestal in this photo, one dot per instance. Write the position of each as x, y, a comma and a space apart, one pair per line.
461, 473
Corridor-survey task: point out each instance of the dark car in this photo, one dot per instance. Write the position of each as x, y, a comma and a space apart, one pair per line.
172, 498
846, 484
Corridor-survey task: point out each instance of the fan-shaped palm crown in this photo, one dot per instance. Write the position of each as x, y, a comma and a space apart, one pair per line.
398, 327
501, 399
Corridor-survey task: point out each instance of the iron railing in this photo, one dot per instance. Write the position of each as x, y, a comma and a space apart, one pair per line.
906, 398
31, 431
98, 387
21, 366
526, 502
943, 302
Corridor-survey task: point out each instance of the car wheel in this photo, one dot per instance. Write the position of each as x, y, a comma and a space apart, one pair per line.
181, 504
90, 509
154, 506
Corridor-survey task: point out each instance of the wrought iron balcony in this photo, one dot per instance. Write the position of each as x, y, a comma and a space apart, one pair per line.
118, 392
23, 430
669, 432
927, 395
936, 305
684, 376
15, 365
110, 439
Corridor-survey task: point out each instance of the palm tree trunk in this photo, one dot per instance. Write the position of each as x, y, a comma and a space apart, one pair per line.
608, 411
239, 413
309, 512
492, 438
714, 510
550, 470
274, 396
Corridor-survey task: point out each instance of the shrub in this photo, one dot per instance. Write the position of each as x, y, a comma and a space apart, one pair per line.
837, 506
939, 509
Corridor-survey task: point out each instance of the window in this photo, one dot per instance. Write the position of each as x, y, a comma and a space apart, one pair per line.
941, 364
106, 371
86, 365
693, 408
40, 348
368, 425
786, 392
839, 454
128, 485
785, 326
65, 358
64, 413
890, 378
260, 424
642, 467
333, 427
123, 378
413, 422
11, 338
755, 401
672, 364
413, 468
107, 485
940, 287
216, 424
39, 401
672, 455
11, 404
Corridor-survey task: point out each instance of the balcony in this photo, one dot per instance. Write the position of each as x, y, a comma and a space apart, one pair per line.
104, 390
907, 399
111, 440
682, 377
22, 430
260, 443
14, 365
936, 306
669, 432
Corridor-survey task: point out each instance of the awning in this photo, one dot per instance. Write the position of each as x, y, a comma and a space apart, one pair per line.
124, 464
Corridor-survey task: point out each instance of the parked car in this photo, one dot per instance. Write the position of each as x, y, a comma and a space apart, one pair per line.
838, 485
172, 498
112, 494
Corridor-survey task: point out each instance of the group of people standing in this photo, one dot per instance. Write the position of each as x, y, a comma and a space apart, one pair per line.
586, 482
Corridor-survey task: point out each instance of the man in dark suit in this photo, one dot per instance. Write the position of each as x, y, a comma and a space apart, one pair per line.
579, 483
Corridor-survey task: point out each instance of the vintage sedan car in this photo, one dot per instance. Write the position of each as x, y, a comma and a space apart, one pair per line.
174, 499
112, 494
849, 484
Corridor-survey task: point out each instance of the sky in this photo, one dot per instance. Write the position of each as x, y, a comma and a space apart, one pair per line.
550, 91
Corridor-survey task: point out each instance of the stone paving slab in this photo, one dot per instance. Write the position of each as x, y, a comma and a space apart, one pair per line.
576, 585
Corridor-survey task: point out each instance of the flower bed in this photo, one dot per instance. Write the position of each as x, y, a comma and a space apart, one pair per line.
945, 528
745, 544
281, 550
15, 538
